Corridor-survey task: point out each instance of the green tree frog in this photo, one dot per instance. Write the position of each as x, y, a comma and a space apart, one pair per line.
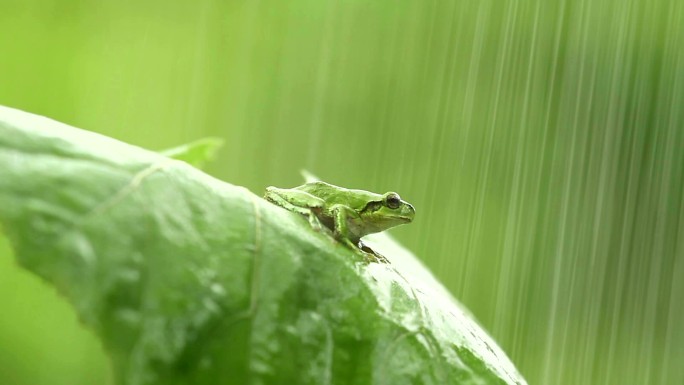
349, 214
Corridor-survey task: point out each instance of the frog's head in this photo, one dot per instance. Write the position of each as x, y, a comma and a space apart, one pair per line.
388, 212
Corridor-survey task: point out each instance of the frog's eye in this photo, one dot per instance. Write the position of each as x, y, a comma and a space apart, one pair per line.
393, 200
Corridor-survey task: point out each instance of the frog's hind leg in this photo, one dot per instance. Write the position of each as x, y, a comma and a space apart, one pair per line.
297, 201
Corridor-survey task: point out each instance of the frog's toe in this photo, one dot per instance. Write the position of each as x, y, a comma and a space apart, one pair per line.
374, 258
372, 255
315, 223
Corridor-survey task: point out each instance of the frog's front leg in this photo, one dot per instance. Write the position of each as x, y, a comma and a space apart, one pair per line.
341, 214
297, 201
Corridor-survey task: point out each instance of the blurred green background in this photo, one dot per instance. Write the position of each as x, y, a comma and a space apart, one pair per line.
542, 143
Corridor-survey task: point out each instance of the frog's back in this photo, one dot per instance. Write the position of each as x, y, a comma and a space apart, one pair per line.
332, 194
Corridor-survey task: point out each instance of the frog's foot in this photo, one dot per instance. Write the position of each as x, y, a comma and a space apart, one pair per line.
372, 255
311, 217
369, 254
313, 220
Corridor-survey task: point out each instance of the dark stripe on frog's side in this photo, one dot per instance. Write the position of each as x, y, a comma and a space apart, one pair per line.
372, 206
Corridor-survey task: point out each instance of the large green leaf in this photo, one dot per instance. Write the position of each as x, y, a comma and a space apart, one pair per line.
190, 280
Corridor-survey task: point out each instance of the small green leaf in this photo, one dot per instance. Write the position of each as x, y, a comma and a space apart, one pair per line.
308, 176
196, 153
190, 280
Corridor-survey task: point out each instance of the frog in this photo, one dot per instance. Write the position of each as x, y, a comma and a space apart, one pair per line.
348, 213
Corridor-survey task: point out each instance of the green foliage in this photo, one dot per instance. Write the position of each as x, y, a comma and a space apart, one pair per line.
190, 280
196, 153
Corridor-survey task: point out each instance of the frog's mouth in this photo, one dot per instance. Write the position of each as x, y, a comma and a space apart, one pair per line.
401, 217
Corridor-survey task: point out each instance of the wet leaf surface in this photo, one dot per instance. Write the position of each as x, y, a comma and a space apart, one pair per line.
190, 280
